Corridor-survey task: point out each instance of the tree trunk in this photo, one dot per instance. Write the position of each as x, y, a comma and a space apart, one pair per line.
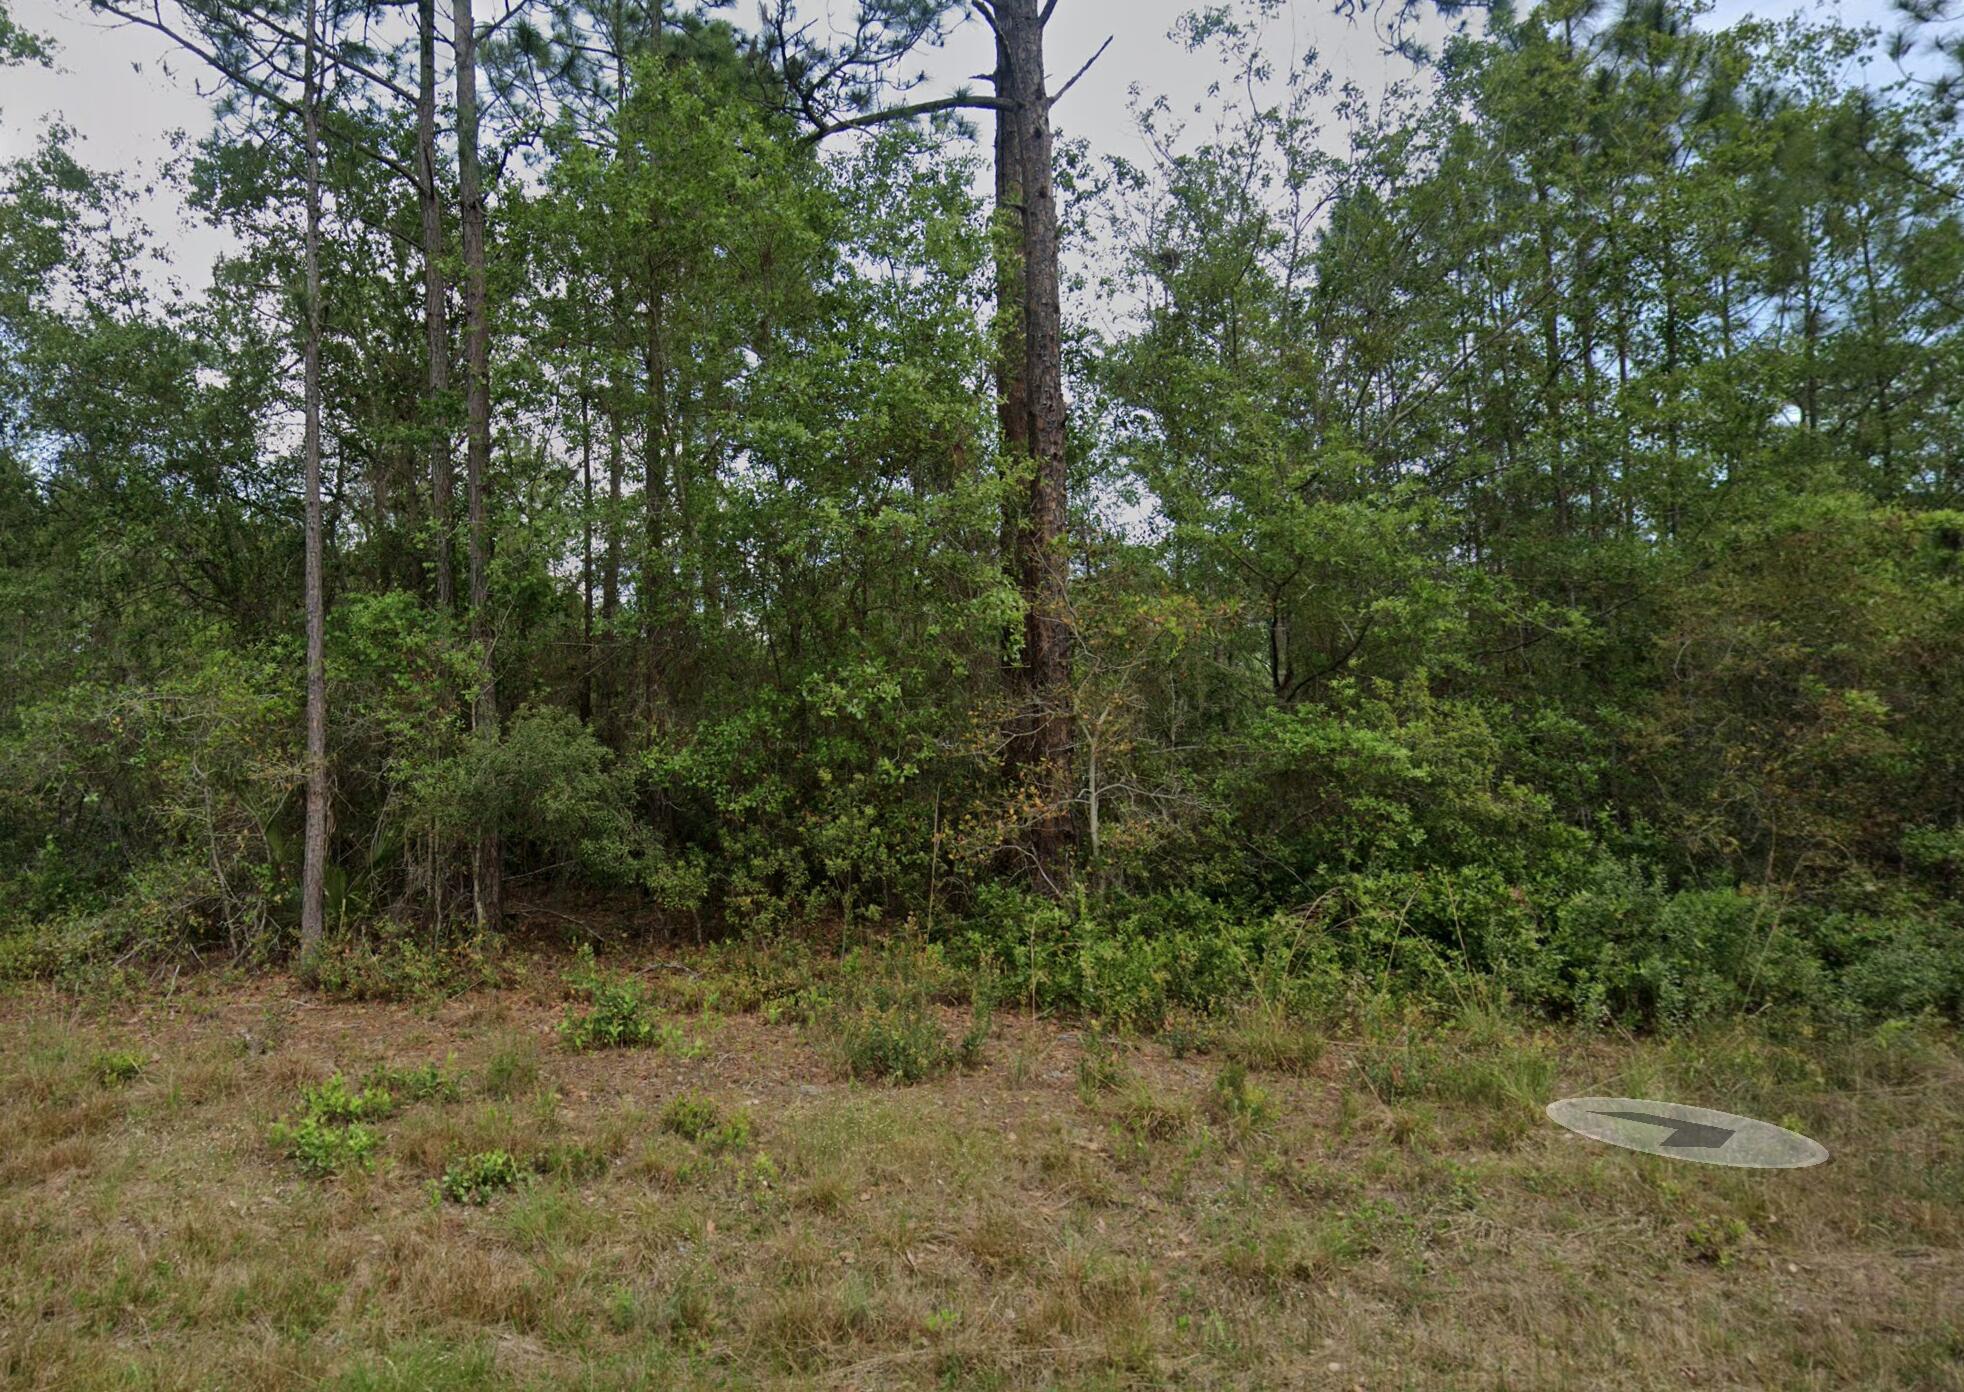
435, 327
586, 555
488, 874
1012, 400
1042, 557
313, 874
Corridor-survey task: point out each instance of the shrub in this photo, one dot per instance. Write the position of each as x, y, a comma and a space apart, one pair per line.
616, 1016
331, 1135
902, 1043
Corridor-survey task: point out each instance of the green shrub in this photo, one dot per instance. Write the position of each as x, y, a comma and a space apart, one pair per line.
616, 1015
477, 1179
901, 1043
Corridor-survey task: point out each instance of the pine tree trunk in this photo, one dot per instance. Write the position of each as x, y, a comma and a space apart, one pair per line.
435, 328
488, 877
1042, 556
313, 874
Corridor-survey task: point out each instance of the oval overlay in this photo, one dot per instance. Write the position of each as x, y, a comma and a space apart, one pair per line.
1687, 1133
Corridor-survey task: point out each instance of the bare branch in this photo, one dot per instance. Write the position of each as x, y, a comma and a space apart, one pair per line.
1081, 72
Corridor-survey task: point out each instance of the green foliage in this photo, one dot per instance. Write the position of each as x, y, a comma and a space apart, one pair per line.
332, 1133
477, 1179
117, 1067
1239, 1103
322, 1148
904, 1042
1514, 553
337, 1103
616, 1015
699, 1119
428, 1082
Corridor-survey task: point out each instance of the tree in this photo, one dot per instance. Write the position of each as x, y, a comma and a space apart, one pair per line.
313, 892
835, 90
436, 327
488, 873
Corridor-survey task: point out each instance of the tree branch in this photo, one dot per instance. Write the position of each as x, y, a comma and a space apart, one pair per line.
960, 101
1081, 71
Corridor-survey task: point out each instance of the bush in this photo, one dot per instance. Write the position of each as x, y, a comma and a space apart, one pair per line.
1238, 1102
903, 1043
331, 1134
616, 1017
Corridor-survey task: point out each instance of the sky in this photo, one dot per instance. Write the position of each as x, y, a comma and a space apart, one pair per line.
124, 91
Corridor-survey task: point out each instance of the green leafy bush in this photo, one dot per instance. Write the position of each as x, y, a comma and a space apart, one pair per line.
902, 1042
616, 1016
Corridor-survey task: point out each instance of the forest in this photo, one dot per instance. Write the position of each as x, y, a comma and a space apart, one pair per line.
716, 713
1509, 528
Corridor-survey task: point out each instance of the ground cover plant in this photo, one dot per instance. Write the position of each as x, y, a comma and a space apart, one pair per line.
1393, 1213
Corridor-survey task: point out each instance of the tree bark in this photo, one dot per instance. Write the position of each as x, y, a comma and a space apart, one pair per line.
488, 876
434, 318
1041, 553
586, 555
313, 874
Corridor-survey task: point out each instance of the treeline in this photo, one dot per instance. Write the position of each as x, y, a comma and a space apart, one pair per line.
1506, 536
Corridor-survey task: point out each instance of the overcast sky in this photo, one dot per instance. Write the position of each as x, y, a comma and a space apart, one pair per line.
124, 91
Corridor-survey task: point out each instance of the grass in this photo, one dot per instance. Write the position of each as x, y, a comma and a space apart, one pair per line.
1377, 1205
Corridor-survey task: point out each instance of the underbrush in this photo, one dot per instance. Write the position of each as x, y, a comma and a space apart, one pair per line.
616, 1013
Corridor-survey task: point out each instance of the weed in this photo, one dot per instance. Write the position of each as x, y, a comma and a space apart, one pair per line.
1267, 1037
431, 1082
1717, 1240
1099, 1068
323, 1148
903, 1043
334, 1102
1238, 1102
116, 1067
513, 1068
477, 1179
616, 1017
696, 1118
575, 1161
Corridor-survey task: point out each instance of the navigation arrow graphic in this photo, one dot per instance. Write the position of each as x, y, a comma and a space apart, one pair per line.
1685, 1135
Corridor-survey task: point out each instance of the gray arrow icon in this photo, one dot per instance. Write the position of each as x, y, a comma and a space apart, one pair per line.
1685, 1135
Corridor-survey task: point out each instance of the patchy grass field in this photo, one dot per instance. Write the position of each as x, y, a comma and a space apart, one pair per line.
721, 1205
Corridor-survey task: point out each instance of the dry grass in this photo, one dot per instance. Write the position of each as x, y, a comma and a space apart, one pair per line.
1403, 1219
